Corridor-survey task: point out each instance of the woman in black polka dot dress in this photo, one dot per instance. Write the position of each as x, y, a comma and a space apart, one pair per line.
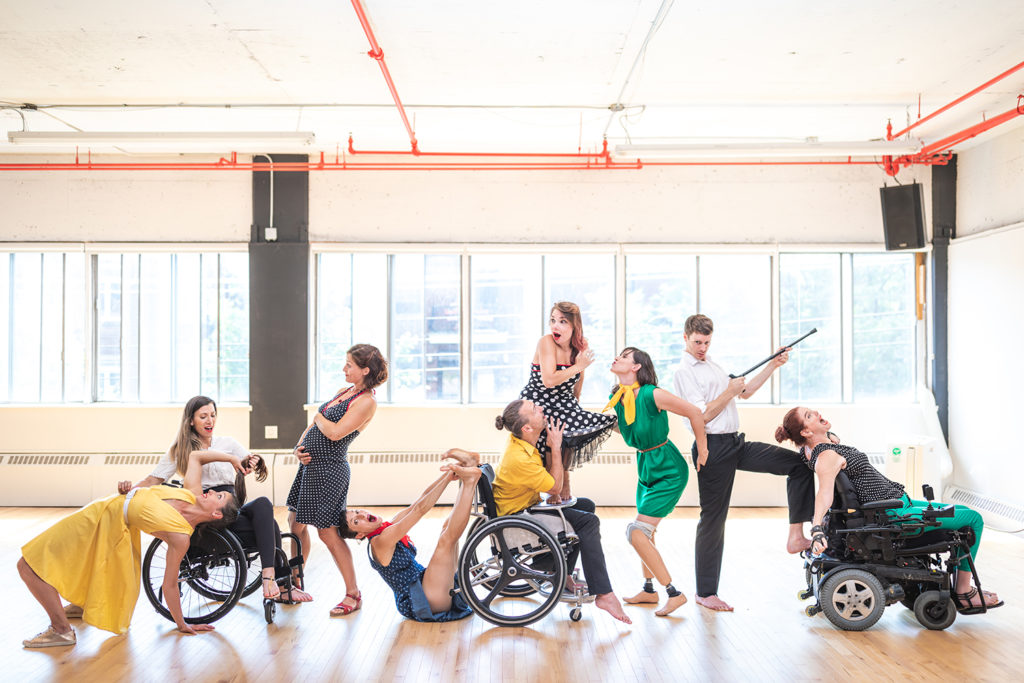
319, 492
556, 381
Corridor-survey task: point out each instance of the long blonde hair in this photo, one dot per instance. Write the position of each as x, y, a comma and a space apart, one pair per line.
187, 439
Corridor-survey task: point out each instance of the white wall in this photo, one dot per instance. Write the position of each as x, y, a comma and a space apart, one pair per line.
986, 325
800, 204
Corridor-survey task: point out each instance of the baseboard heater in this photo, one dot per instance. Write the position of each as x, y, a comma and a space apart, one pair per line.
999, 515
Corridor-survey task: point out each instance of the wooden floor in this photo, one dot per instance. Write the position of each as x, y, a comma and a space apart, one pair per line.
768, 638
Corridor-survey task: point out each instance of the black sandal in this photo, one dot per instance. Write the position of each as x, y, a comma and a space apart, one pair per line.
966, 607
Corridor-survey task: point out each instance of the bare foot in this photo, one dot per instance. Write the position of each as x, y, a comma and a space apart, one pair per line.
671, 605
610, 604
464, 458
797, 543
642, 598
466, 474
714, 603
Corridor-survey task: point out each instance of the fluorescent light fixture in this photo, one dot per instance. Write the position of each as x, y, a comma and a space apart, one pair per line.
760, 150
229, 139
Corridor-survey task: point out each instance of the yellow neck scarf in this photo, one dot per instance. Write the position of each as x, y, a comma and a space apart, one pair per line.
628, 398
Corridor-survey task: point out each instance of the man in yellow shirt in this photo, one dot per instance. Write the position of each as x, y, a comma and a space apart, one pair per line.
522, 477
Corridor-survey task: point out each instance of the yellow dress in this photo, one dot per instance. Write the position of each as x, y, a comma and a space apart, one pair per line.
93, 558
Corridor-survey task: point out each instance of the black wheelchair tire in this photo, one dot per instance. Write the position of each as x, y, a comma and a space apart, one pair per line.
935, 610
231, 552
852, 599
469, 562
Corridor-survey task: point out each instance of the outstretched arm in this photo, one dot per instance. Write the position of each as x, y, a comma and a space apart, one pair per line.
177, 545
407, 518
827, 467
672, 403
762, 377
196, 459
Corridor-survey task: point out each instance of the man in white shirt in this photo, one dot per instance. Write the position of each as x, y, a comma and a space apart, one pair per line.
701, 382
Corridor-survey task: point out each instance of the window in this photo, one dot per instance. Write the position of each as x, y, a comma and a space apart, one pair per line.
661, 292
169, 326
42, 327
809, 297
425, 327
736, 293
884, 326
504, 326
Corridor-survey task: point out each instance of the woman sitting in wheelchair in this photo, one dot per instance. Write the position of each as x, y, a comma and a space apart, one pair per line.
809, 431
421, 593
92, 557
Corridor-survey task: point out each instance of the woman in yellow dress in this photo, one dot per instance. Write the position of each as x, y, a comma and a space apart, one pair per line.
92, 558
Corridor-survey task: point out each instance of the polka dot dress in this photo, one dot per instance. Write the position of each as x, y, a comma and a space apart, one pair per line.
869, 484
584, 431
320, 489
404, 575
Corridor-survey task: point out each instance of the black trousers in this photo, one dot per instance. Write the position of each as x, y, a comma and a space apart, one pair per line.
256, 527
726, 454
588, 528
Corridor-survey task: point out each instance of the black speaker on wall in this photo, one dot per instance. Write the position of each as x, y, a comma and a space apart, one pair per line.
903, 216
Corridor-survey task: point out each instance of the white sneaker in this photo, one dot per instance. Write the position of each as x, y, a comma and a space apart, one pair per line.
50, 638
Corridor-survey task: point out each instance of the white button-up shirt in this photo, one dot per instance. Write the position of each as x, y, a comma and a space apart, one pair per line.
700, 382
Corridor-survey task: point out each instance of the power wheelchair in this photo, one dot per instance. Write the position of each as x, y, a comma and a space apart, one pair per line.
512, 570
877, 558
216, 572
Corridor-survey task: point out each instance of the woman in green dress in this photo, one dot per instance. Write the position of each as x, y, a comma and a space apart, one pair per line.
642, 410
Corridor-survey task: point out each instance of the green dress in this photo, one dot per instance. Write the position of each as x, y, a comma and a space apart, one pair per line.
662, 471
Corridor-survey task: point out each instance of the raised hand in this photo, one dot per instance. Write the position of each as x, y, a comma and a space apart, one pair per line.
585, 357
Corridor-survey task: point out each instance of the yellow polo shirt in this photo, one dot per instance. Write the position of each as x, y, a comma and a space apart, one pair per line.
521, 478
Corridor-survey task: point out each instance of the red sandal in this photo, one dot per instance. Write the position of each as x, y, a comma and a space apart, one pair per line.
341, 609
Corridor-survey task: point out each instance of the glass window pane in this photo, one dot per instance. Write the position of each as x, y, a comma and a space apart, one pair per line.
108, 327
154, 325
809, 298
504, 327
76, 387
6, 275
51, 339
234, 327
736, 293
587, 280
130, 337
884, 326
425, 333
26, 322
661, 291
334, 321
185, 327
209, 307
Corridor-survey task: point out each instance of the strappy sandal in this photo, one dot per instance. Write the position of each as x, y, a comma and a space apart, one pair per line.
342, 610
965, 606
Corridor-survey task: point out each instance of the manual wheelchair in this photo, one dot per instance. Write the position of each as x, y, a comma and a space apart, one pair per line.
512, 570
877, 558
216, 572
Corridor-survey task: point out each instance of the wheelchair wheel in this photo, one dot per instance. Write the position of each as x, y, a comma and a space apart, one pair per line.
515, 589
506, 551
852, 599
210, 577
935, 610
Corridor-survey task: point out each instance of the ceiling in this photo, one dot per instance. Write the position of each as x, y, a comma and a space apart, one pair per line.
478, 76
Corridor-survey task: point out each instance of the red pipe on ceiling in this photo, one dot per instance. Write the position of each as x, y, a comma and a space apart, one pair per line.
377, 53
891, 136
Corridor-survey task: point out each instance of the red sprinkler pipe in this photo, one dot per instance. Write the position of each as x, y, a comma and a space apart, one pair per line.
968, 133
377, 53
891, 136
603, 156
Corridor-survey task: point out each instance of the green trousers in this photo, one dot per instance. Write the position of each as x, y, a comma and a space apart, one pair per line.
963, 516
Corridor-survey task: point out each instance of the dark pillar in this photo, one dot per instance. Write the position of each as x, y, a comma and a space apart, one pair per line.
278, 305
943, 230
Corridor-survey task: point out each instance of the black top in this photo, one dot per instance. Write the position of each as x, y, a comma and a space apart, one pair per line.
870, 484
